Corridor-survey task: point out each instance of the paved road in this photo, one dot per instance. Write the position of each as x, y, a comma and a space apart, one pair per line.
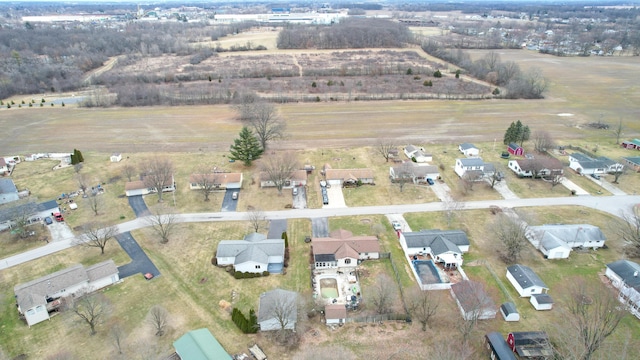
140, 262
615, 205
139, 206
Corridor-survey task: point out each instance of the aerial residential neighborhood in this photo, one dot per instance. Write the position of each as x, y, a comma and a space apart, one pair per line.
319, 181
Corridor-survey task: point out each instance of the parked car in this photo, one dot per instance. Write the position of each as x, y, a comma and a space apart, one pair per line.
234, 195
595, 176
430, 181
148, 276
396, 225
505, 155
48, 221
295, 191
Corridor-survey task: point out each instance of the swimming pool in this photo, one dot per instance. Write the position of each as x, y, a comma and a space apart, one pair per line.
427, 271
329, 288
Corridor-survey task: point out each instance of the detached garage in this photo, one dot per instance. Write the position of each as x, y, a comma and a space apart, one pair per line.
541, 301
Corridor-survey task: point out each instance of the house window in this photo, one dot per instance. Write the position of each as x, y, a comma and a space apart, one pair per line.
257, 266
347, 261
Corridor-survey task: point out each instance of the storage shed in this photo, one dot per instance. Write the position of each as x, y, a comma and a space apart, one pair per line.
509, 312
541, 301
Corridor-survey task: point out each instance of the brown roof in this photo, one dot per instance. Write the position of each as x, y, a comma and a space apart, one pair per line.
134, 185
2, 162
345, 174
345, 244
34, 292
539, 163
221, 178
101, 270
299, 175
335, 311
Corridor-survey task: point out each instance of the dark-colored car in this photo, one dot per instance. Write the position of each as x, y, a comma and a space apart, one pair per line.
430, 181
595, 176
48, 220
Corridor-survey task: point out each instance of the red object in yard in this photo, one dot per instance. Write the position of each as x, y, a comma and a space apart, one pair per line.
148, 276
58, 217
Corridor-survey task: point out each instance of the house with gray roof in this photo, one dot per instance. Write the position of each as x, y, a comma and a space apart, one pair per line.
473, 168
417, 153
469, 150
8, 191
525, 281
414, 172
443, 246
473, 301
556, 241
625, 276
585, 165
33, 212
254, 254
36, 298
278, 310
633, 162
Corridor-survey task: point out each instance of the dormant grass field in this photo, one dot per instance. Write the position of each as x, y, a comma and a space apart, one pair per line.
190, 288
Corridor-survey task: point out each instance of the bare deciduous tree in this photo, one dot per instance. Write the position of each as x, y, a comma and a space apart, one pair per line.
451, 209
83, 181
591, 315
158, 317
129, 171
383, 293
278, 168
618, 130
117, 337
384, 147
207, 182
265, 122
257, 219
20, 212
627, 228
77, 167
97, 235
163, 221
619, 171
405, 174
511, 232
474, 300
542, 140
95, 202
158, 173
422, 305
91, 308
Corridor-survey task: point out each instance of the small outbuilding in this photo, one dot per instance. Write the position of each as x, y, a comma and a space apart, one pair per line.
473, 301
498, 346
515, 149
116, 157
200, 345
530, 344
509, 312
525, 281
335, 314
541, 301
469, 150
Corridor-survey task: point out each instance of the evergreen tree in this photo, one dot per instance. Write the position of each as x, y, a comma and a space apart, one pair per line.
253, 321
246, 148
509, 134
286, 239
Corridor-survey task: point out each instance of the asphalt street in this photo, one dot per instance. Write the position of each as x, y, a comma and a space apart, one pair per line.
615, 205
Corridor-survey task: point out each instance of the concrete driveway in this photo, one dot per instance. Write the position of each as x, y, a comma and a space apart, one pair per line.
320, 227
502, 188
228, 204
399, 218
300, 200
139, 206
336, 198
572, 186
59, 231
442, 190
140, 262
276, 228
608, 186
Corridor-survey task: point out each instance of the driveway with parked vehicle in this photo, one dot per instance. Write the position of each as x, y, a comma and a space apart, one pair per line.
140, 262
228, 202
299, 197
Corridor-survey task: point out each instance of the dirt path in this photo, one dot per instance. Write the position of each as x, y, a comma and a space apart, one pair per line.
108, 65
297, 64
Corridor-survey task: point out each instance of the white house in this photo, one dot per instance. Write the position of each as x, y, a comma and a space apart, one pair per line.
539, 166
138, 187
412, 151
297, 178
278, 310
3, 166
625, 276
541, 301
38, 297
8, 191
254, 254
556, 241
348, 176
472, 166
445, 247
417, 173
116, 157
472, 300
585, 165
525, 281
335, 314
509, 312
36, 212
342, 249
469, 150
219, 180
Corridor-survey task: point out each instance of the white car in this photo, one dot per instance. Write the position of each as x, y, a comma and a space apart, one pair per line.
396, 225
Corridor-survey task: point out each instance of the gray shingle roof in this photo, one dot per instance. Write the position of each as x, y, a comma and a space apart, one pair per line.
278, 300
525, 277
628, 271
424, 238
35, 292
472, 162
102, 270
255, 247
543, 298
441, 245
509, 308
575, 233
465, 146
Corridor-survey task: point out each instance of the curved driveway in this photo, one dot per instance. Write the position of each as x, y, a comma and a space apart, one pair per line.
615, 205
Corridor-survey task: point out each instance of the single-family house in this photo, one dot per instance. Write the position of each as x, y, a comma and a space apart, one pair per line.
297, 178
498, 347
509, 312
625, 276
216, 180
469, 150
445, 247
116, 157
585, 165
139, 187
34, 212
473, 301
417, 153
278, 310
414, 172
515, 149
348, 177
343, 249
556, 241
254, 254
633, 162
335, 314
540, 166
530, 344
631, 144
200, 344
525, 281
470, 167
8, 191
541, 301
36, 298
3, 166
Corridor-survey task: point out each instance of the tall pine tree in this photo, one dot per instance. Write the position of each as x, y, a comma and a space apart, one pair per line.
246, 148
